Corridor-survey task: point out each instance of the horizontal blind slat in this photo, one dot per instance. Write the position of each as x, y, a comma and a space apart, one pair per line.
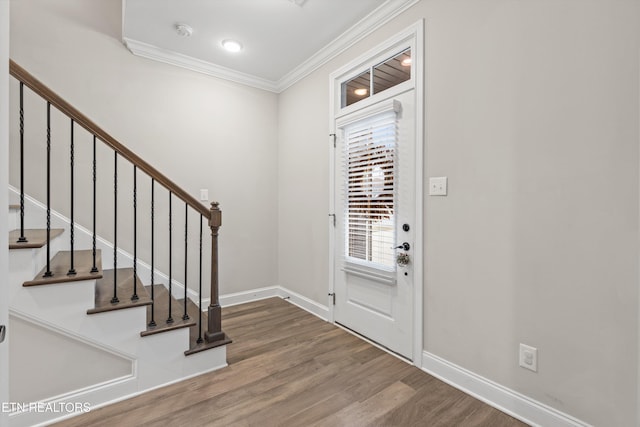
369, 190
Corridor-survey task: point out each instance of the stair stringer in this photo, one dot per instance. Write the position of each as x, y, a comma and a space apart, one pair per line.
158, 359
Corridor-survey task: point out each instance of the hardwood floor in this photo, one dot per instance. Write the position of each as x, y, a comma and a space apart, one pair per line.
289, 368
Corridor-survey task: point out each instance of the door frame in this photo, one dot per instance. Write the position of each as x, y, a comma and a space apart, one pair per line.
4, 202
415, 35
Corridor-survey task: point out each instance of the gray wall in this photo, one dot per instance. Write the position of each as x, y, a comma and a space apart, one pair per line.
532, 113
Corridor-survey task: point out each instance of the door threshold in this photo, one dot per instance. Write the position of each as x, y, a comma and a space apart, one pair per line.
375, 344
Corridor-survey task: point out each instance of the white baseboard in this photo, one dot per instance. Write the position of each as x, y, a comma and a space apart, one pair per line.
243, 297
322, 311
506, 400
295, 298
98, 393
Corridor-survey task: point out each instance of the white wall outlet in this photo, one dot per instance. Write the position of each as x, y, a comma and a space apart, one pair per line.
204, 195
438, 186
529, 357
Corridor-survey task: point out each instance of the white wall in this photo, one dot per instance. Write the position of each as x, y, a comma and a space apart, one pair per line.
4, 179
532, 113
199, 131
66, 366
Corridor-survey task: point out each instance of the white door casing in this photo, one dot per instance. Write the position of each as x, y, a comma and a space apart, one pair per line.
4, 202
387, 311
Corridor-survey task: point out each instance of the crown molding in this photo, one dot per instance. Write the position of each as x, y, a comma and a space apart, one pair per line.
367, 25
149, 51
374, 20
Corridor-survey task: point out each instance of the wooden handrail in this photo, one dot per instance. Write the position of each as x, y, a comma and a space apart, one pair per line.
50, 96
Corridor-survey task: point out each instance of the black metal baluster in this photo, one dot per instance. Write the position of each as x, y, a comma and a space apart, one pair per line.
185, 316
200, 340
153, 321
115, 299
94, 269
170, 318
72, 270
22, 238
48, 272
134, 297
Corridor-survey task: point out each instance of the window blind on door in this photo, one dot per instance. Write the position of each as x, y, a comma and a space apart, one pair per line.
369, 162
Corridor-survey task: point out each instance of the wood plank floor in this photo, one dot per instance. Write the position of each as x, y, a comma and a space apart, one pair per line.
289, 368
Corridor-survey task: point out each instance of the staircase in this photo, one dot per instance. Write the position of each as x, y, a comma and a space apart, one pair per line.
65, 278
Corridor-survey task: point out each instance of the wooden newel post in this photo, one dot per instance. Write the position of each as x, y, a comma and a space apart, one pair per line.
214, 328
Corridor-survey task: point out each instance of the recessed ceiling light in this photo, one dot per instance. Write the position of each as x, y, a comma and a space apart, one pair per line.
232, 45
360, 91
184, 30
406, 62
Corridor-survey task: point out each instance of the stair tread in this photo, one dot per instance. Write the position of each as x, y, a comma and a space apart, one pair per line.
194, 346
161, 312
104, 291
60, 263
14, 207
36, 237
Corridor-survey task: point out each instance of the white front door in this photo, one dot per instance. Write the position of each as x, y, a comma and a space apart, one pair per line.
375, 212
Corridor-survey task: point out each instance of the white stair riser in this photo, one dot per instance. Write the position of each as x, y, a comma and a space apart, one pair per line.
22, 267
46, 300
25, 264
179, 366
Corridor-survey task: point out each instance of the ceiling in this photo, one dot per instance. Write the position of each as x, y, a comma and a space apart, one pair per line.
283, 40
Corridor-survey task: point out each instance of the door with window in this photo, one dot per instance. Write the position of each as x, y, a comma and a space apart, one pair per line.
374, 201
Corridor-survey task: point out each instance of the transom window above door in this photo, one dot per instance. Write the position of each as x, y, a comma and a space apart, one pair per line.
386, 74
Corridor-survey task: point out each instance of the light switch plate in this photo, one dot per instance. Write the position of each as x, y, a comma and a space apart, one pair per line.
204, 195
438, 186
